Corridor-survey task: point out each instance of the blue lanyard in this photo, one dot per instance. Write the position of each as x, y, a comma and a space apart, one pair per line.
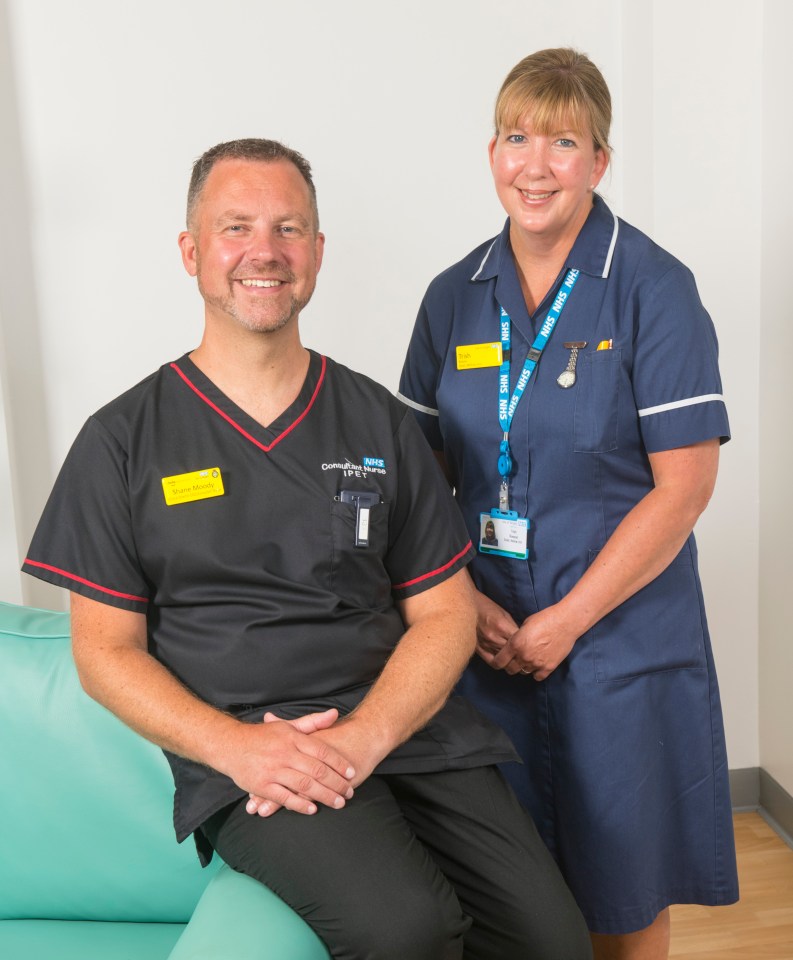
507, 407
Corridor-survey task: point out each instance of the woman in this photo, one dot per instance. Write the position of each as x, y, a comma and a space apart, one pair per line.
593, 435
490, 539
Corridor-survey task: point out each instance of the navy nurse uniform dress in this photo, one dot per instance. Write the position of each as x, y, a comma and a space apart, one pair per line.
625, 767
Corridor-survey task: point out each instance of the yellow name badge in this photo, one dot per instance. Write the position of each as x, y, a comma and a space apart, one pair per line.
198, 485
474, 355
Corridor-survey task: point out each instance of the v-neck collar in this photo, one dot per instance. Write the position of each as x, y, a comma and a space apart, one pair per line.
265, 438
591, 253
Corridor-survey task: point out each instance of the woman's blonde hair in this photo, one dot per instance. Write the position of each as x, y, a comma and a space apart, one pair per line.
558, 88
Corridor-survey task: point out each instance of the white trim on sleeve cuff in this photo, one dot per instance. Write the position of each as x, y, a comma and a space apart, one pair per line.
676, 404
416, 406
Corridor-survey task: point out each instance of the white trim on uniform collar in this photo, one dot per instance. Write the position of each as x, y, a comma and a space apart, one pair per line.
676, 404
606, 265
482, 265
417, 406
612, 245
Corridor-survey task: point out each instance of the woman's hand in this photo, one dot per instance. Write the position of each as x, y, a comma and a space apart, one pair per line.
539, 646
645, 542
494, 627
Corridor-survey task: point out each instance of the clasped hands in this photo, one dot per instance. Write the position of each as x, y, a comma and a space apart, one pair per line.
297, 764
535, 648
319, 759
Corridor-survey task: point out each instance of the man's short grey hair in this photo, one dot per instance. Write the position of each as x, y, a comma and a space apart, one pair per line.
252, 148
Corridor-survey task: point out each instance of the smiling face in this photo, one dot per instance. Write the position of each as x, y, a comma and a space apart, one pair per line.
545, 181
253, 245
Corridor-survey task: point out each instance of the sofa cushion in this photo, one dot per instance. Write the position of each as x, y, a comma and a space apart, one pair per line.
87, 940
86, 804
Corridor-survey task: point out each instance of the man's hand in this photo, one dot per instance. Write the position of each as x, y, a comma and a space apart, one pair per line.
414, 684
347, 737
307, 724
351, 739
281, 765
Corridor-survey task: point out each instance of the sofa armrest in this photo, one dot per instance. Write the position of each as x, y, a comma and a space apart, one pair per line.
239, 917
86, 805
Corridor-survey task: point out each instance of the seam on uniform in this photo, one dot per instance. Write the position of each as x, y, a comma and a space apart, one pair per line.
88, 583
266, 447
433, 573
417, 406
676, 404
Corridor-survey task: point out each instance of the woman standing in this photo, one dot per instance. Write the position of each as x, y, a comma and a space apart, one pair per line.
566, 375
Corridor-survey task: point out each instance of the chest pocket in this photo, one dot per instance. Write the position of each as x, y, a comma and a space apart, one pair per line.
358, 574
597, 402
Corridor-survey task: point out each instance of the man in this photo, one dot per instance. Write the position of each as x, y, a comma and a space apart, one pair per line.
242, 536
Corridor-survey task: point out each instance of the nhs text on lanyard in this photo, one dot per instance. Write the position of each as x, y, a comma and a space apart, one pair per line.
507, 405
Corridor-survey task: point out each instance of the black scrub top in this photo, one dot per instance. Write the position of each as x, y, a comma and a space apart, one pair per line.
236, 543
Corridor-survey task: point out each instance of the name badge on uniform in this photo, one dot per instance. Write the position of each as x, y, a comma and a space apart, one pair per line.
198, 485
504, 534
475, 355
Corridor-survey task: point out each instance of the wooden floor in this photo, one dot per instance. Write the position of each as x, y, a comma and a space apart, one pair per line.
760, 926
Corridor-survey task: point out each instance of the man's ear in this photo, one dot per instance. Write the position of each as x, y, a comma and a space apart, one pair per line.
189, 250
319, 249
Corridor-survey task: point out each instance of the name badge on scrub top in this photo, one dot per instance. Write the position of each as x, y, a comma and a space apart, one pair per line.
504, 534
198, 485
472, 356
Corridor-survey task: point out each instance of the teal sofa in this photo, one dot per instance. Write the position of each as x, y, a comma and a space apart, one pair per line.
89, 867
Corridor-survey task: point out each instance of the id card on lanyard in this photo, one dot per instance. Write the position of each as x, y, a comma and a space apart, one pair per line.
502, 532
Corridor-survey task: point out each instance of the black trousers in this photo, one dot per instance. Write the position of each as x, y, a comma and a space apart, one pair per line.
431, 866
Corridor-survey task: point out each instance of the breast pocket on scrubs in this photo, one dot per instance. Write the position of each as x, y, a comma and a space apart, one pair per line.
659, 628
358, 574
597, 402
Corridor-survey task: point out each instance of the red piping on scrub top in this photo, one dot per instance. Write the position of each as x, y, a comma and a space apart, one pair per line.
432, 573
236, 426
88, 583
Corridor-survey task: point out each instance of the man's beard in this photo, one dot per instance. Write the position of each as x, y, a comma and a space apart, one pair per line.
259, 320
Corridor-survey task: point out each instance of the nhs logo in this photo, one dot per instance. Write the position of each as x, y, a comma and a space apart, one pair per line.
374, 462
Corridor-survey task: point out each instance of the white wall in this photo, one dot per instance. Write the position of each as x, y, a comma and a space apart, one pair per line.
776, 402
706, 152
25, 464
9, 575
392, 106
